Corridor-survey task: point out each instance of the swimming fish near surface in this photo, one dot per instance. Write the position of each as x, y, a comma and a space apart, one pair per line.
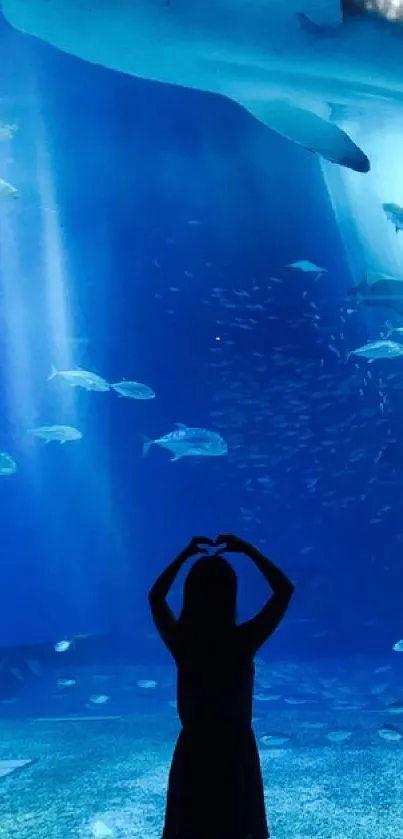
190, 442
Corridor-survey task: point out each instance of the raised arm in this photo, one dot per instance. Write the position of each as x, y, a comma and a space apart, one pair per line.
163, 616
256, 631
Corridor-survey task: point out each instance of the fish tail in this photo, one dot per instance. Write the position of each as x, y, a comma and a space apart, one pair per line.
147, 443
53, 372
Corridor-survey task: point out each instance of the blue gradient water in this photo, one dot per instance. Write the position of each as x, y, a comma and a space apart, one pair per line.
149, 225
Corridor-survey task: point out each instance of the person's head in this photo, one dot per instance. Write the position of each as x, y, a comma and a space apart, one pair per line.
210, 595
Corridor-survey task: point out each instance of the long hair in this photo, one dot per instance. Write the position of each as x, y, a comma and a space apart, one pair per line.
209, 596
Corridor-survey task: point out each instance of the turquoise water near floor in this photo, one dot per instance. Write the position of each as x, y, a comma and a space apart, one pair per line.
100, 770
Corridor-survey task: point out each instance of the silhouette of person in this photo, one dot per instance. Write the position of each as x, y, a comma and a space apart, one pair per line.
215, 788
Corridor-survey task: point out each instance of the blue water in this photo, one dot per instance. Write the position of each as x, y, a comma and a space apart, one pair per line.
149, 226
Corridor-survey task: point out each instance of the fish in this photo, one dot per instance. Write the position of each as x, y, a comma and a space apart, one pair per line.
389, 733
379, 349
395, 707
274, 739
185, 442
62, 646
7, 131
7, 190
338, 736
398, 647
99, 699
133, 390
56, 433
307, 267
298, 66
8, 465
378, 289
394, 214
81, 378
66, 683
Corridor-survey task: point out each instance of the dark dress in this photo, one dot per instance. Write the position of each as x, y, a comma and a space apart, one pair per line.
215, 788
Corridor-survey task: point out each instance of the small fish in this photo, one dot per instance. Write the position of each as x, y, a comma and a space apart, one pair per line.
133, 390
267, 697
338, 736
274, 739
146, 683
398, 647
389, 733
394, 330
395, 707
66, 683
394, 214
7, 191
307, 267
8, 466
56, 433
7, 130
99, 699
185, 442
81, 378
62, 646
379, 349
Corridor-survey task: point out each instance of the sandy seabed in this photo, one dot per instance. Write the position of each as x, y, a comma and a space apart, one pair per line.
107, 778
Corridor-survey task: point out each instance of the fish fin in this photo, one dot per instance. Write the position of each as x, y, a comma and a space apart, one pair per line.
308, 129
181, 425
147, 443
323, 14
312, 27
176, 457
53, 372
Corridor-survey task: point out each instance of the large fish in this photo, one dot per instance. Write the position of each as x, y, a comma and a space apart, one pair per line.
378, 290
293, 64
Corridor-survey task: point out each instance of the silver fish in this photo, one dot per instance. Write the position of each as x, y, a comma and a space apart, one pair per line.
56, 433
190, 442
379, 349
133, 390
81, 378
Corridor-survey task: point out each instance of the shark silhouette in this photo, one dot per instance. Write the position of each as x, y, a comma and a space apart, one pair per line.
295, 65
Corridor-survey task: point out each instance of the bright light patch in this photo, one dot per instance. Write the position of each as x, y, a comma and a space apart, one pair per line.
370, 239
391, 9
